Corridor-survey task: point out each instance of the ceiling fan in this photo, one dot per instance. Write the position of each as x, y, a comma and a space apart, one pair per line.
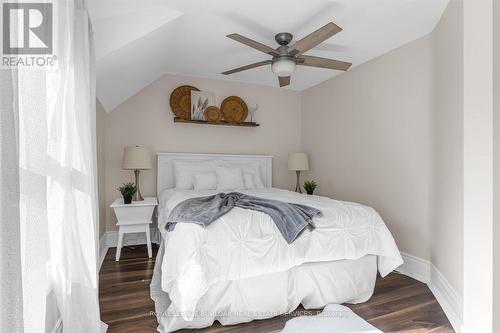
286, 57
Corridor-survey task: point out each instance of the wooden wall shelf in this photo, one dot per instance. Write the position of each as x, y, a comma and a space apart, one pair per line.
222, 122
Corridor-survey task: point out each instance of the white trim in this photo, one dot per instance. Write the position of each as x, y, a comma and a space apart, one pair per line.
415, 267
165, 170
103, 249
447, 297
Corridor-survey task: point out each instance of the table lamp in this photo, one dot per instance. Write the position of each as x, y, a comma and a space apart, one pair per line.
137, 159
298, 162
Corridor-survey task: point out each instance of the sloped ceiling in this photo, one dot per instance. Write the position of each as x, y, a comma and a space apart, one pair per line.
138, 41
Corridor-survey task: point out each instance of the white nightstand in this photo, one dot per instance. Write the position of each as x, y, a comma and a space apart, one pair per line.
134, 217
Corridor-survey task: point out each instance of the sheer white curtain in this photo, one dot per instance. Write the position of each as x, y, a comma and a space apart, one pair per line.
11, 297
48, 195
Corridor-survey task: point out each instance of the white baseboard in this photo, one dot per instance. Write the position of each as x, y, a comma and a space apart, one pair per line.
448, 298
103, 249
424, 271
415, 267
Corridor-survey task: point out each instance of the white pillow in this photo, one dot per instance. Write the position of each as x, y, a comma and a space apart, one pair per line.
229, 179
257, 179
204, 181
253, 167
184, 172
249, 180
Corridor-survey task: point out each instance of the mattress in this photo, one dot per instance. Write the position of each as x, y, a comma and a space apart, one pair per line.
244, 244
313, 285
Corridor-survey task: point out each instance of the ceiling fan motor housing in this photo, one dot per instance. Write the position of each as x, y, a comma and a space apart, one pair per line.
283, 38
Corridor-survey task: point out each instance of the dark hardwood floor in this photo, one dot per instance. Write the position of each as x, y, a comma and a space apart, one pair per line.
399, 304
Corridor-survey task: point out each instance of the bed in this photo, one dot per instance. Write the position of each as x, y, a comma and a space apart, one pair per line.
239, 268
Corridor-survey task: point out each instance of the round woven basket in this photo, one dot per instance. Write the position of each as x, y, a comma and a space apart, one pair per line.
234, 109
213, 114
180, 101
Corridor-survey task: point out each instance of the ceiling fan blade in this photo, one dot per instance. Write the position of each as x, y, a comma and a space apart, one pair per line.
315, 38
244, 68
323, 63
284, 80
254, 44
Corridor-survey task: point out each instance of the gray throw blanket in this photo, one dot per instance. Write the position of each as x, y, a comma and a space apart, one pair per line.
290, 219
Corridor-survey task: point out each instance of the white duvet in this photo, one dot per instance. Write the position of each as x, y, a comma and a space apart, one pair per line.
245, 243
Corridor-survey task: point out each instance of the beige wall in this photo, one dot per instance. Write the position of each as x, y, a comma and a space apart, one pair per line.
101, 184
368, 133
447, 121
496, 166
145, 119
478, 166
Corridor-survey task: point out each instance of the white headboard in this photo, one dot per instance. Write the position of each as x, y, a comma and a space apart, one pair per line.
165, 168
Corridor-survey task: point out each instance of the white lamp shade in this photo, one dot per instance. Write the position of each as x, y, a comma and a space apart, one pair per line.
136, 158
298, 162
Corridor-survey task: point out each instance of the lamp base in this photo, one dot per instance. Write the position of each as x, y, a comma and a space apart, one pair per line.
297, 186
137, 196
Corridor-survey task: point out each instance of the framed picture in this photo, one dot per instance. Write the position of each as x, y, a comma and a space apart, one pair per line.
200, 101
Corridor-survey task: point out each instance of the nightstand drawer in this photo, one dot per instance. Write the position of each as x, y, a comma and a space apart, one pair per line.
134, 214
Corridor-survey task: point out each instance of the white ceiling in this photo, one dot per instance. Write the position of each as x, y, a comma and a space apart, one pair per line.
139, 40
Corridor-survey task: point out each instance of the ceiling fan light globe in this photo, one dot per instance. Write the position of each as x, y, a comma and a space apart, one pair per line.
283, 67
